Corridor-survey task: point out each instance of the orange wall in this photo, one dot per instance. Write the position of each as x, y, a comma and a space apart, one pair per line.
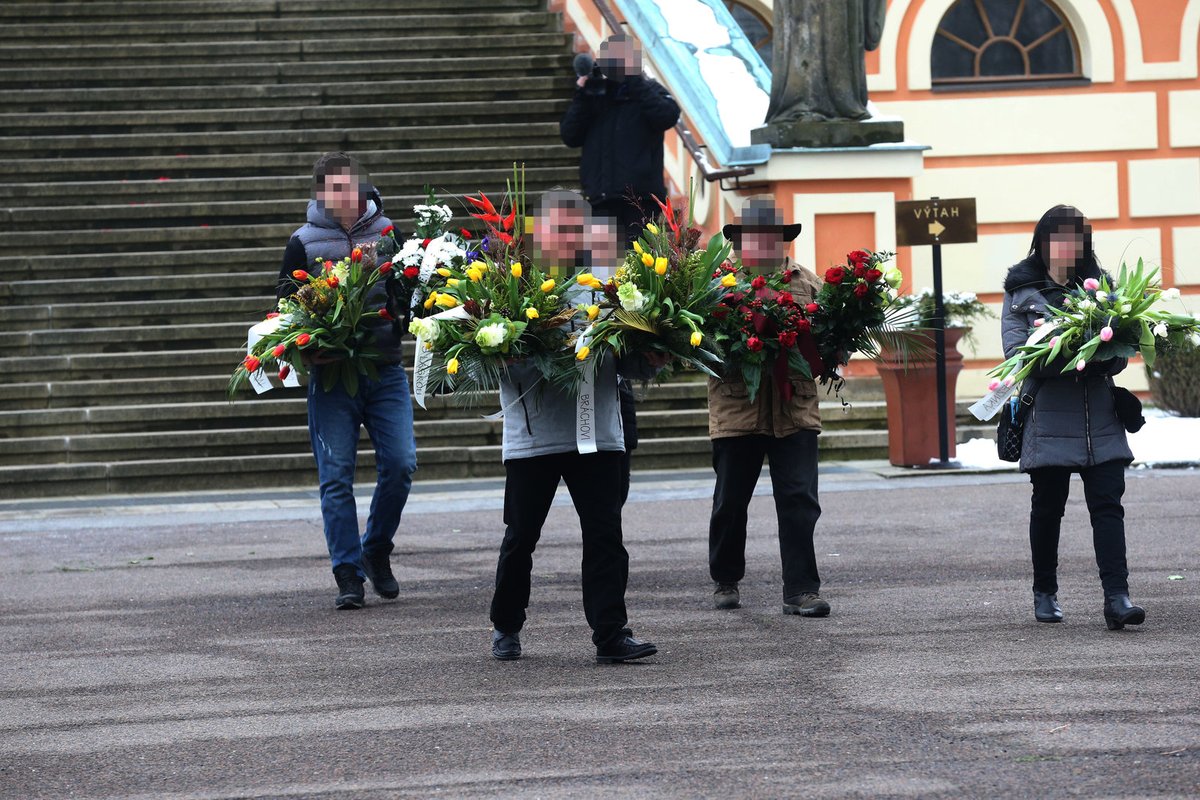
1160, 24
1160, 21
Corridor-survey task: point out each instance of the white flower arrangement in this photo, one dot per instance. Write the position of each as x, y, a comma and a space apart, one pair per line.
411, 254
961, 308
424, 327
442, 252
432, 216
491, 335
631, 298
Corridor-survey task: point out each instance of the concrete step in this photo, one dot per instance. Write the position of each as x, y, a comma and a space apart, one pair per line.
330, 28
159, 288
94, 266
292, 437
87, 364
80, 317
133, 53
65, 341
296, 469
89, 12
450, 184
368, 68
149, 387
287, 407
316, 140
287, 117
113, 241
137, 99
140, 215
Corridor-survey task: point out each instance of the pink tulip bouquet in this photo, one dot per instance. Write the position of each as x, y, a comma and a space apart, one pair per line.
1099, 321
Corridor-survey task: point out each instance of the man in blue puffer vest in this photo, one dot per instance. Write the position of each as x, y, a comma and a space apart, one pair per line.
347, 212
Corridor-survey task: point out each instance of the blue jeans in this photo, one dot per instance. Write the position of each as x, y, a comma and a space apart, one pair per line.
334, 419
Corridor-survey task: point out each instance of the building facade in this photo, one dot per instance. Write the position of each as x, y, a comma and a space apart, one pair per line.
1021, 104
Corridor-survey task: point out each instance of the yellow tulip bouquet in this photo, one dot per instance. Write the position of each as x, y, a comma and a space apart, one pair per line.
495, 309
660, 297
487, 316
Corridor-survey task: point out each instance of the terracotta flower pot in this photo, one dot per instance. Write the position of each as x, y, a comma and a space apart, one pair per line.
911, 392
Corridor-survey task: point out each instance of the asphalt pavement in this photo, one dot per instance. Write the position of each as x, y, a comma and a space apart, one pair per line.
186, 646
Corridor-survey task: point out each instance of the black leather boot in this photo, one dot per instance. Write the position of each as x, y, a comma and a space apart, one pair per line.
506, 646
1046, 608
1119, 612
350, 587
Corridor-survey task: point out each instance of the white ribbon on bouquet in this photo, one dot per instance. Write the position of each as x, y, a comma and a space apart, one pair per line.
258, 378
987, 406
585, 399
423, 361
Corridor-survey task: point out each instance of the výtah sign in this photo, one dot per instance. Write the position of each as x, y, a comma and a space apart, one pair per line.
935, 221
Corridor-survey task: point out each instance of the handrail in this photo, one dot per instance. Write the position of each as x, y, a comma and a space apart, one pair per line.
694, 148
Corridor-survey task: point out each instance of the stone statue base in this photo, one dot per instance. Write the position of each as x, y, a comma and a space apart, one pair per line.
829, 133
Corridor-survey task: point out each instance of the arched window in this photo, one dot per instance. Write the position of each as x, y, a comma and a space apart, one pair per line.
990, 41
756, 27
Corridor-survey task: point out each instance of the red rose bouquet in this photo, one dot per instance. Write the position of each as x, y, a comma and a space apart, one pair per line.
761, 328
857, 311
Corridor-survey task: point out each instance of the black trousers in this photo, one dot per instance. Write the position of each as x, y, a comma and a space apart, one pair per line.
1103, 488
738, 462
594, 481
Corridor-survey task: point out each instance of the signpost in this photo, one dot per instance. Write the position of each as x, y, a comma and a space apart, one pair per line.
936, 222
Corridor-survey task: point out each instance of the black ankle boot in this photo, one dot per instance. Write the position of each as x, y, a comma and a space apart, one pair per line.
1046, 608
350, 587
1119, 612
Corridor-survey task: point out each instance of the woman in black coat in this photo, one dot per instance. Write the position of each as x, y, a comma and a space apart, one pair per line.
1072, 425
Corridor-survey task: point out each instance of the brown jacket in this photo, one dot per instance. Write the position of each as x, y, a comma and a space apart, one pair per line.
730, 412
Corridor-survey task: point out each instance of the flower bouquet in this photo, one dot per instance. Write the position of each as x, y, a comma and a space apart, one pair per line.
494, 310
433, 245
329, 313
485, 317
857, 312
1099, 321
661, 296
761, 327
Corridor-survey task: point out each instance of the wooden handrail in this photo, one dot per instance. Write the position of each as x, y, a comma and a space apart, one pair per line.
707, 170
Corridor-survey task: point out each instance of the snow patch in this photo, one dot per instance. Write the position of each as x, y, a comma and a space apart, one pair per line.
1165, 439
740, 102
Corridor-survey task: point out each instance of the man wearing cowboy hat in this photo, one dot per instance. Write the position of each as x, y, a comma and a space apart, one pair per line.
781, 424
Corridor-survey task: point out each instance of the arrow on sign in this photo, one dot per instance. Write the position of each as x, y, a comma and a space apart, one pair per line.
936, 228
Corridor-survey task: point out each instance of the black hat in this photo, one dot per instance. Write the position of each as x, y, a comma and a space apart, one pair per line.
760, 214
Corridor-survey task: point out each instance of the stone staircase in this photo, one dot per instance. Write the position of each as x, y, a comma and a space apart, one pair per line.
154, 158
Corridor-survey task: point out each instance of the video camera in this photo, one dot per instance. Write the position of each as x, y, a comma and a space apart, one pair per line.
587, 67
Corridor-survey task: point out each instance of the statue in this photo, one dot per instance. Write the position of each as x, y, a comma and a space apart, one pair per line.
819, 74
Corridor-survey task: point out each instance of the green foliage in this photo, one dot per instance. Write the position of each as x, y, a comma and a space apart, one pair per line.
1175, 379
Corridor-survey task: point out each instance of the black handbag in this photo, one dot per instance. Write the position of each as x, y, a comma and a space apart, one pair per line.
1011, 429
1129, 409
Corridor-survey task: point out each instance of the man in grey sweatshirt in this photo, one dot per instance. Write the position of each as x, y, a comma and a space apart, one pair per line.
553, 434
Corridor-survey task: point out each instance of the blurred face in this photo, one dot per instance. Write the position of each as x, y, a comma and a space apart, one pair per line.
601, 239
340, 194
763, 250
558, 234
1065, 250
620, 59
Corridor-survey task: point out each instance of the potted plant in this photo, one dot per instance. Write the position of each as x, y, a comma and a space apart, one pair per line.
910, 384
